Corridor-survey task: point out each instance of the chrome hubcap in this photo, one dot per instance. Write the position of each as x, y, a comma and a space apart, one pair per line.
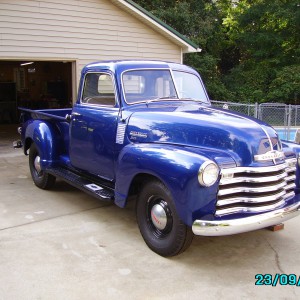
37, 164
159, 216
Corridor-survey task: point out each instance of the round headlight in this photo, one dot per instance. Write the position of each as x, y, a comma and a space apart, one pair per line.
208, 173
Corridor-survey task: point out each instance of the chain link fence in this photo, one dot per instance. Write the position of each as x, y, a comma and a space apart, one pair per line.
284, 118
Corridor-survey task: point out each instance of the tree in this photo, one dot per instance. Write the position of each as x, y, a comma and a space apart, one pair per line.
267, 35
198, 20
250, 47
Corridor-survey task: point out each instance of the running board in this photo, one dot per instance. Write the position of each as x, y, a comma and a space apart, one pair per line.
82, 183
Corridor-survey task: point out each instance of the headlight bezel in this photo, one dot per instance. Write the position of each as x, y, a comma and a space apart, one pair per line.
203, 173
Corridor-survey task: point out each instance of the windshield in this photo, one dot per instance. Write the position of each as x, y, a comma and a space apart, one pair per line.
189, 86
154, 85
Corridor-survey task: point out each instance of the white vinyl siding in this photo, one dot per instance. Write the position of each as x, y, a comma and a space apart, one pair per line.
84, 31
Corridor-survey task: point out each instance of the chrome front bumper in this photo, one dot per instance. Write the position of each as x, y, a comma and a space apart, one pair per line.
228, 227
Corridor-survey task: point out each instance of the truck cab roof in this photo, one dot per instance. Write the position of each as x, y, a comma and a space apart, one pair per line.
119, 66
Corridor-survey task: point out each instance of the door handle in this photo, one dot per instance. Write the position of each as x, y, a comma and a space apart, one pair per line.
69, 117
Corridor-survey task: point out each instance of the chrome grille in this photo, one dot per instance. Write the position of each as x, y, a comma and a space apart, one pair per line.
257, 189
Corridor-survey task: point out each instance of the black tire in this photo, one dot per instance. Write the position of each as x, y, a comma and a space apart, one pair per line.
41, 179
159, 224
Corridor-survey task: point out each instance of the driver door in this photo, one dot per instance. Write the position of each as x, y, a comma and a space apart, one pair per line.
93, 127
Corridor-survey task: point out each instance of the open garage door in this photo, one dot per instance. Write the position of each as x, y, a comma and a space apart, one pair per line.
35, 85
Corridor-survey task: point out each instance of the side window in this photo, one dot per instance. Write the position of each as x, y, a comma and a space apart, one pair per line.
98, 89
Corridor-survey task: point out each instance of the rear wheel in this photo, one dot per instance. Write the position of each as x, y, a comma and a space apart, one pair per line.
158, 221
40, 178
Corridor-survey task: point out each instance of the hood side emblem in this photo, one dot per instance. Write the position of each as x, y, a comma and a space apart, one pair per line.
138, 134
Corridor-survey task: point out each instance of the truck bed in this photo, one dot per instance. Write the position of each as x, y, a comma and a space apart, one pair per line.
46, 114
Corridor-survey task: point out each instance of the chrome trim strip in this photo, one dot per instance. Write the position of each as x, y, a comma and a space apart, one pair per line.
121, 133
246, 209
174, 82
269, 138
290, 186
234, 226
289, 195
225, 181
245, 189
290, 169
251, 199
291, 160
254, 169
290, 178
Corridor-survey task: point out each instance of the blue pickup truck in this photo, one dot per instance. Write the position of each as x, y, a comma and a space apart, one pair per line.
147, 129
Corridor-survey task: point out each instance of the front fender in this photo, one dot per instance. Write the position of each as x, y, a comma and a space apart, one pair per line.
176, 167
44, 135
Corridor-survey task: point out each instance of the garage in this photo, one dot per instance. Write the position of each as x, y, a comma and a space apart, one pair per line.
45, 44
35, 85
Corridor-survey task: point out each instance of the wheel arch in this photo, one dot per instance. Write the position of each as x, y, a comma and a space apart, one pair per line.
175, 167
139, 181
43, 135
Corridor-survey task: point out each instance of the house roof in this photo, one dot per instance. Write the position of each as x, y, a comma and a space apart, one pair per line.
146, 17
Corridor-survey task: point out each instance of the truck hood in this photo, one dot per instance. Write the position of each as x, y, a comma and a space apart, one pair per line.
204, 127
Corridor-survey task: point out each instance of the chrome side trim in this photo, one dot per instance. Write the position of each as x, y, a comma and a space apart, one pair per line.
121, 133
234, 226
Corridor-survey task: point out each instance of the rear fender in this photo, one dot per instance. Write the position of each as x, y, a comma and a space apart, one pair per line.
47, 139
176, 167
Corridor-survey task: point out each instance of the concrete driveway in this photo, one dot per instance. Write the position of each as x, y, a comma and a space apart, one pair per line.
64, 244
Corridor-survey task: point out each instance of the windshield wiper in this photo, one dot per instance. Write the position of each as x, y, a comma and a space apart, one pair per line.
162, 98
192, 99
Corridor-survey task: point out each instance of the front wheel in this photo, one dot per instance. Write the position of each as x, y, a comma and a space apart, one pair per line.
158, 221
40, 178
